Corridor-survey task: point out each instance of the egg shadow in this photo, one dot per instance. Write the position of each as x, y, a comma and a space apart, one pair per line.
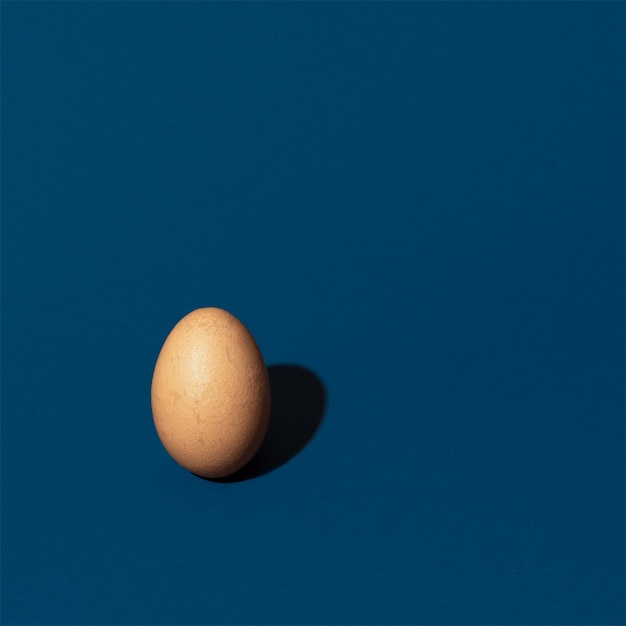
297, 411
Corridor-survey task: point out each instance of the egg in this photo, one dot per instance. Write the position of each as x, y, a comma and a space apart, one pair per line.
210, 393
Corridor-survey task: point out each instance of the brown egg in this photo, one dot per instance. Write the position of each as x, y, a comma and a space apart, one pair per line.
210, 393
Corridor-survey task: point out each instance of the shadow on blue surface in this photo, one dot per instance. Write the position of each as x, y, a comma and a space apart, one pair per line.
298, 407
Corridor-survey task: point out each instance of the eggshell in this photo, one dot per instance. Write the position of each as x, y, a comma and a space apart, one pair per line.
210, 393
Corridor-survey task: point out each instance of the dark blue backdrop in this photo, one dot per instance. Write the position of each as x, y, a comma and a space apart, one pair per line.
421, 203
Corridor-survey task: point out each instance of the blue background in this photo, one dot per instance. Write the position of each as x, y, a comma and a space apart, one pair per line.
422, 203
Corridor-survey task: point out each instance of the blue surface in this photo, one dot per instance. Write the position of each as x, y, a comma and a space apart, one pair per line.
420, 203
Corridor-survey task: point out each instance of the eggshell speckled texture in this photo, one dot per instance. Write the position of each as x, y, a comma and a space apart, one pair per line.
210, 393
